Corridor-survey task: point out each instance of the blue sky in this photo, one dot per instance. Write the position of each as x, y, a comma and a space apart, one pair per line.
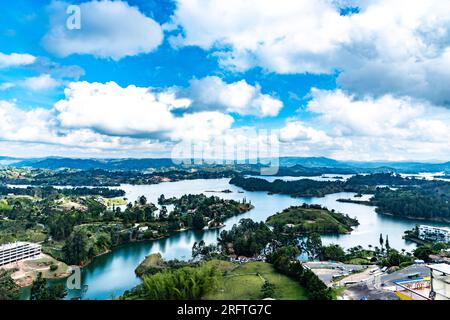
140, 77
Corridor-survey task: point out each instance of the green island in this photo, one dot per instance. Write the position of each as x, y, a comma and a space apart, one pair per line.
312, 218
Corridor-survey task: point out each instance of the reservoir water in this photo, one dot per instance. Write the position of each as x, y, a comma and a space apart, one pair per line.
111, 274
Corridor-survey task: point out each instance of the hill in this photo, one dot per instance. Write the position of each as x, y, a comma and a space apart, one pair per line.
312, 218
245, 282
87, 164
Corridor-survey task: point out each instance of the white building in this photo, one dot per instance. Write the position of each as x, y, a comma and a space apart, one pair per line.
439, 234
18, 251
440, 281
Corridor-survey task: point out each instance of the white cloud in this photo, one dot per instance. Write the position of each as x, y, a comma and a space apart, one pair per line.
212, 93
109, 29
384, 128
41, 131
133, 111
108, 118
40, 83
298, 131
283, 36
6, 86
387, 116
390, 46
20, 125
15, 59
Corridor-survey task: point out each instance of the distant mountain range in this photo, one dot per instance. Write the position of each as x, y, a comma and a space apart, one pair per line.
54, 163
5, 161
405, 166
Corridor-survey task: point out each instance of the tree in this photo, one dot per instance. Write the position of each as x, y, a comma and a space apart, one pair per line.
174, 222
8, 288
161, 199
142, 200
293, 268
163, 213
198, 222
268, 290
423, 253
40, 290
313, 245
202, 251
76, 249
248, 238
387, 243
333, 252
185, 283
381, 240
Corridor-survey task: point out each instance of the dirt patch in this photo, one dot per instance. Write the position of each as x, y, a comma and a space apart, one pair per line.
28, 270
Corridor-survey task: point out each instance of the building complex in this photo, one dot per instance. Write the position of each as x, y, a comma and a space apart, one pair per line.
438, 234
18, 251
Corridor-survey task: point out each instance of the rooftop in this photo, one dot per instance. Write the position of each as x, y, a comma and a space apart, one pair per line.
15, 245
442, 267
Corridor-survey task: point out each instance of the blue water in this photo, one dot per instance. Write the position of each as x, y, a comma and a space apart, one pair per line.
111, 274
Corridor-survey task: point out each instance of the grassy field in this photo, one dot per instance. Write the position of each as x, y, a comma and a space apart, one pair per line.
244, 282
4, 204
115, 201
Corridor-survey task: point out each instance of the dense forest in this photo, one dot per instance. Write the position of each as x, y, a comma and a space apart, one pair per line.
430, 201
297, 188
47, 191
313, 188
248, 238
100, 177
76, 228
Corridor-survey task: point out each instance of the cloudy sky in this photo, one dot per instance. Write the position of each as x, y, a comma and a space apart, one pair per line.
347, 79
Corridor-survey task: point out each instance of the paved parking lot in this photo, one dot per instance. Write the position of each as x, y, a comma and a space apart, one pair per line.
326, 271
389, 279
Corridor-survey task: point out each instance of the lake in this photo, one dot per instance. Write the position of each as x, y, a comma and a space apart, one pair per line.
111, 274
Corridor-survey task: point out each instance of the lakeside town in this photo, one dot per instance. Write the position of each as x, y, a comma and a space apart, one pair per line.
48, 233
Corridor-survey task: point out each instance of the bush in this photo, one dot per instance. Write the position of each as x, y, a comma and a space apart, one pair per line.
268, 290
186, 283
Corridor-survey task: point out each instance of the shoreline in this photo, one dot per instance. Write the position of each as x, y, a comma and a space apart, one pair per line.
440, 220
369, 204
150, 240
